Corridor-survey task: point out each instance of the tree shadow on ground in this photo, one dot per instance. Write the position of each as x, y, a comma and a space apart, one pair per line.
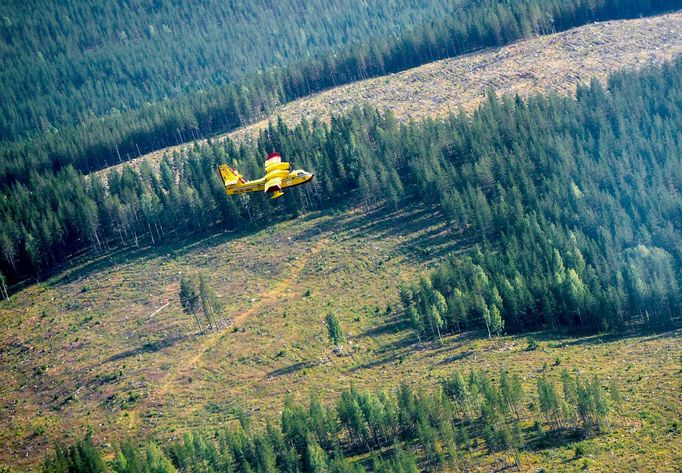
457, 357
86, 265
392, 326
565, 339
148, 347
287, 370
395, 357
536, 441
425, 235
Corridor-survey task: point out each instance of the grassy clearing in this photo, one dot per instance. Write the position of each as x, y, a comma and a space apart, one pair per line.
83, 349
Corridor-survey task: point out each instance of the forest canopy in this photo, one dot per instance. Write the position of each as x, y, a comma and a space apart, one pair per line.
147, 101
571, 207
65, 62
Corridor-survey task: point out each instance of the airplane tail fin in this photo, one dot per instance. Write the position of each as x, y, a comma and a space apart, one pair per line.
229, 176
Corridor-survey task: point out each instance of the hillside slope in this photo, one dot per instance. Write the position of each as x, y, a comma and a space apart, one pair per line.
556, 63
107, 345
69, 61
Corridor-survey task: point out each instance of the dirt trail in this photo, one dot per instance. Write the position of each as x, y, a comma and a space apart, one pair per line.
268, 298
555, 63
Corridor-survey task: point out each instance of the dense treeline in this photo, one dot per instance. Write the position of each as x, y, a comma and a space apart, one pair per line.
105, 140
578, 213
571, 207
403, 431
64, 62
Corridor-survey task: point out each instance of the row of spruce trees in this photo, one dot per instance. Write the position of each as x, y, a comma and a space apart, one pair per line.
402, 431
68, 62
568, 209
103, 140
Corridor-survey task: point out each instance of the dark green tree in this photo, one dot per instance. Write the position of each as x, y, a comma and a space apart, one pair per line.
189, 298
334, 328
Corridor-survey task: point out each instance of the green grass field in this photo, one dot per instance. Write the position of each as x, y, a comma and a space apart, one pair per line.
90, 347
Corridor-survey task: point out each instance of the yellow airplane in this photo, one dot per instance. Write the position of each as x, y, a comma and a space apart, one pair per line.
277, 177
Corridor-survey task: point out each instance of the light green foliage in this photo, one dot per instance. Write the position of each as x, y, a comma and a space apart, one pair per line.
189, 300
316, 458
131, 459
496, 321
82, 457
549, 402
440, 302
209, 302
512, 391
415, 321
434, 426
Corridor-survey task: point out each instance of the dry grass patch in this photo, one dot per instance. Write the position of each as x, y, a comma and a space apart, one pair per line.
82, 350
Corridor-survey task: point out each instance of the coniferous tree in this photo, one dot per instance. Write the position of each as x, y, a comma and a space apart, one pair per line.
82, 457
3, 286
511, 391
334, 328
316, 458
549, 402
209, 302
189, 298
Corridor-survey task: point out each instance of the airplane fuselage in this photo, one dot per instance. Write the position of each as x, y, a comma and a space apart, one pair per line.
294, 178
277, 178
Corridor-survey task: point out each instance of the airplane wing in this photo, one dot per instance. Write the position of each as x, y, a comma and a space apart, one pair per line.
275, 170
229, 176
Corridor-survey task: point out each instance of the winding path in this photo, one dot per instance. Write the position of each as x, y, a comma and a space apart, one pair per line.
269, 298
